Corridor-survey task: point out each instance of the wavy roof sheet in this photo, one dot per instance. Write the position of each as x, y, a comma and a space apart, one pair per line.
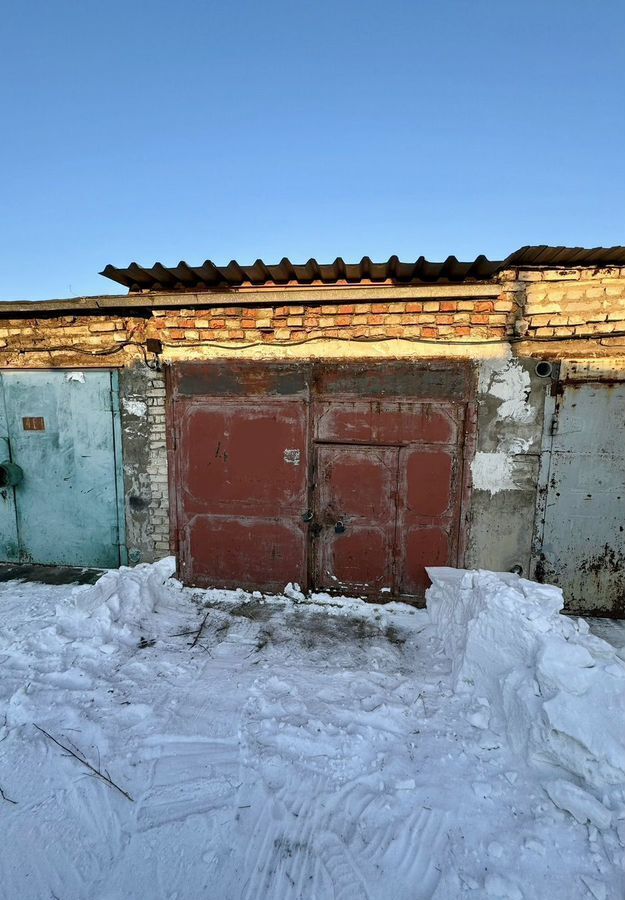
209, 276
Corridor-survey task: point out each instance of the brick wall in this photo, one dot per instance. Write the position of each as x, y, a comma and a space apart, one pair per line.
572, 304
536, 306
426, 319
142, 396
100, 340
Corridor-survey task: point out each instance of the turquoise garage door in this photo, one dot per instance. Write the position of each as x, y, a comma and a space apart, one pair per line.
59, 500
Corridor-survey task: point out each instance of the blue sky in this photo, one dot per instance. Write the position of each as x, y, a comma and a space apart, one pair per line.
158, 131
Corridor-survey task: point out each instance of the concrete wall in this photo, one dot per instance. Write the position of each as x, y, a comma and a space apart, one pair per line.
505, 469
142, 399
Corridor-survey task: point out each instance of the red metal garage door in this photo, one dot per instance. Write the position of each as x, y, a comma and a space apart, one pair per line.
346, 478
241, 475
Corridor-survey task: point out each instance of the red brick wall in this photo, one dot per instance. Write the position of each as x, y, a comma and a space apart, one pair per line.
427, 319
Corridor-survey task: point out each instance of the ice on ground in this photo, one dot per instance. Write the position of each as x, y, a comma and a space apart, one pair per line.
279, 747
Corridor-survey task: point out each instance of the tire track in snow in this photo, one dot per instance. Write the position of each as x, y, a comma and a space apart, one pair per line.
287, 860
281, 859
411, 848
346, 878
344, 833
193, 776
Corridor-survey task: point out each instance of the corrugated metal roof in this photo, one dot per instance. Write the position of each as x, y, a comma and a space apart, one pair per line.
209, 276
565, 257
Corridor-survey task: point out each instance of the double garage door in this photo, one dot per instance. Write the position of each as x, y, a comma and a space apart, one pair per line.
342, 478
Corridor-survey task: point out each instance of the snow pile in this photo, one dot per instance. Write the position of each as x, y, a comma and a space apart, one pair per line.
273, 748
115, 608
557, 690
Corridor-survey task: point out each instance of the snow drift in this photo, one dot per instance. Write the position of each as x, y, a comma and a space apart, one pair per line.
555, 689
114, 609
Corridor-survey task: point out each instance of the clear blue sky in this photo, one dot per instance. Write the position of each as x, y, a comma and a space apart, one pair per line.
164, 131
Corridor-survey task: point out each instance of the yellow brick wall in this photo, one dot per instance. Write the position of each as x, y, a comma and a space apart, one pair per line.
571, 312
59, 341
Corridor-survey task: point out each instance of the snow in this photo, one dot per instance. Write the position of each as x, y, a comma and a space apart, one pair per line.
556, 690
582, 805
295, 747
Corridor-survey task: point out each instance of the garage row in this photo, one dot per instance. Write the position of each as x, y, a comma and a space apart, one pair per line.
347, 477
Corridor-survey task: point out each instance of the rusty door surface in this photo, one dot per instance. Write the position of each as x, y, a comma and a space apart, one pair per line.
355, 517
583, 533
393, 487
343, 477
241, 476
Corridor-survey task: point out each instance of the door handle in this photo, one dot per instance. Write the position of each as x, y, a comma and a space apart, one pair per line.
10, 474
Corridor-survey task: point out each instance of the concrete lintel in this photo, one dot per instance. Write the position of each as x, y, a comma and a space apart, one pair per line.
250, 296
321, 294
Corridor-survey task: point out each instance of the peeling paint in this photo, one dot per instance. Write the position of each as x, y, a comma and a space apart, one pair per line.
509, 382
135, 407
292, 457
492, 472
518, 446
75, 376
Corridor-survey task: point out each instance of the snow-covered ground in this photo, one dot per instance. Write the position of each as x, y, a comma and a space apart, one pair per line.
302, 748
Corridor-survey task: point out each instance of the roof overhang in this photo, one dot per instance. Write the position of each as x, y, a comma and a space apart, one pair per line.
210, 277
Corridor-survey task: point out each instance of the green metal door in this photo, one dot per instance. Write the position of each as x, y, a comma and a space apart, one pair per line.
61, 429
9, 547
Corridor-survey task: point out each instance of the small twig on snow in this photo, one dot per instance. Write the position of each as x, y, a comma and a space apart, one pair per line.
8, 799
199, 631
81, 759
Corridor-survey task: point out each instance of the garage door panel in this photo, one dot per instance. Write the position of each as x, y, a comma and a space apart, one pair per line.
245, 457
428, 482
355, 481
264, 554
359, 561
421, 547
61, 433
243, 471
384, 422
